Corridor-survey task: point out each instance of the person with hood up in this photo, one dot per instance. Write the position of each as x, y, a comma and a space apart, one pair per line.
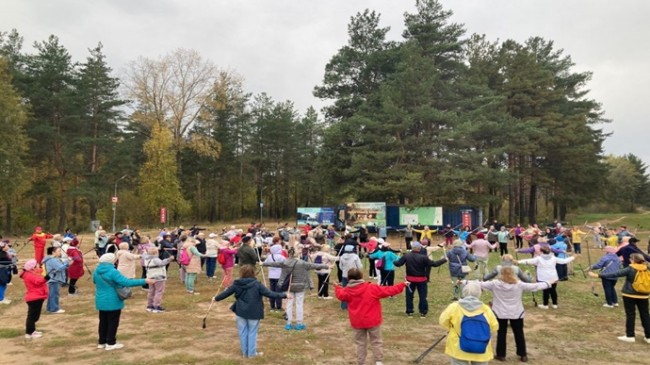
348, 260
546, 272
35, 294
107, 280
562, 269
248, 307
297, 273
364, 309
76, 268
451, 318
632, 299
56, 270
481, 248
507, 306
274, 275
324, 257
416, 273
458, 257
608, 264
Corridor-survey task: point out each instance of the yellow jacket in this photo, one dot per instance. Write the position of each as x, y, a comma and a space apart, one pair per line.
576, 236
451, 318
428, 234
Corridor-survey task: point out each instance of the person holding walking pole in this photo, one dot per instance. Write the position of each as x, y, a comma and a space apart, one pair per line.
324, 257
248, 307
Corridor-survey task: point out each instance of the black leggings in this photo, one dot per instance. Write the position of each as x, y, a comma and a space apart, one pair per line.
109, 321
552, 292
33, 315
72, 288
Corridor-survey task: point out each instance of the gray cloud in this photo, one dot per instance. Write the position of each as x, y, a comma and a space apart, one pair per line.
281, 46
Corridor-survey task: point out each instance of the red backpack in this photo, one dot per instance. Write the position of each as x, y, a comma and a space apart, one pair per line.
221, 258
185, 257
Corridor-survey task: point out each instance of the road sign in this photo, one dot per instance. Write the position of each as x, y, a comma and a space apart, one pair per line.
163, 215
114, 200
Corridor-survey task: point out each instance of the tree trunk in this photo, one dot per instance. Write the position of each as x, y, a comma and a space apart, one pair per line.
532, 203
8, 220
92, 208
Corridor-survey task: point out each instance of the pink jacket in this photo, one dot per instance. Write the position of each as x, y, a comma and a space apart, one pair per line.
481, 247
230, 257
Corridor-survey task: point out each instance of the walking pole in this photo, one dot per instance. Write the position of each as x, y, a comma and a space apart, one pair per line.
427, 351
205, 319
329, 273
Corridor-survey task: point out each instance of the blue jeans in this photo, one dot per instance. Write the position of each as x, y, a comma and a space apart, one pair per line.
247, 329
3, 287
577, 248
53, 296
610, 291
210, 266
423, 304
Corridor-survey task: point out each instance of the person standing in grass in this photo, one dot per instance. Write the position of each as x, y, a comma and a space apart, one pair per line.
194, 267
297, 273
275, 273
451, 318
156, 270
608, 264
107, 280
56, 270
365, 315
35, 294
546, 271
632, 299
211, 252
458, 257
126, 260
76, 269
323, 257
248, 307
481, 248
507, 306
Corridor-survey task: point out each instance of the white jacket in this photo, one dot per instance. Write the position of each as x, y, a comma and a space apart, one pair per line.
546, 266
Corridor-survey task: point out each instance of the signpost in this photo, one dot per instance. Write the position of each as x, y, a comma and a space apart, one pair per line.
163, 215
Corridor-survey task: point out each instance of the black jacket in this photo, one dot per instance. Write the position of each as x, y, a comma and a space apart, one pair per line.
248, 293
417, 263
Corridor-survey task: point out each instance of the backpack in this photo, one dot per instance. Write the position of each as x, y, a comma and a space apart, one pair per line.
379, 263
318, 259
185, 258
641, 283
221, 258
474, 334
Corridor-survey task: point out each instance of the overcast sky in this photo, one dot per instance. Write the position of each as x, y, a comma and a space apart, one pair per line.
281, 47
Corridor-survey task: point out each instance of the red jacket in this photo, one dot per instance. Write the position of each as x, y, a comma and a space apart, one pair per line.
76, 269
35, 284
363, 298
40, 238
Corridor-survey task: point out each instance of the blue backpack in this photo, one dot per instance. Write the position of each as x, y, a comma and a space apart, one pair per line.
474, 334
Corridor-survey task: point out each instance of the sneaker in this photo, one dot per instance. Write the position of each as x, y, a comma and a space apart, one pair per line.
328, 298
60, 311
379, 363
159, 309
5, 301
626, 339
191, 292
300, 327
500, 358
554, 306
608, 306
150, 309
523, 358
541, 306
423, 315
615, 304
117, 346
101, 345
287, 327
33, 335
409, 315
647, 339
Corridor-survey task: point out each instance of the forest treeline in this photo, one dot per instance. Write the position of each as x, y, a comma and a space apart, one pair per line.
437, 118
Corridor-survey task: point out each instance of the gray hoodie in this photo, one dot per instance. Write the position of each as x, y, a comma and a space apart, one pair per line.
349, 261
506, 301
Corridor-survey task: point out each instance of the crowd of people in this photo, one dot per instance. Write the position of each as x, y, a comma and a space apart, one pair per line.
290, 254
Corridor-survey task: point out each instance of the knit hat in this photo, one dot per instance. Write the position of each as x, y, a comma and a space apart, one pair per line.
30, 265
416, 244
634, 240
107, 257
74, 242
480, 235
38, 229
559, 238
3, 244
610, 249
348, 248
246, 239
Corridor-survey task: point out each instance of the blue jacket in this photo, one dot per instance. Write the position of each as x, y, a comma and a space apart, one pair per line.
609, 264
248, 293
560, 246
388, 256
56, 269
107, 279
458, 256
